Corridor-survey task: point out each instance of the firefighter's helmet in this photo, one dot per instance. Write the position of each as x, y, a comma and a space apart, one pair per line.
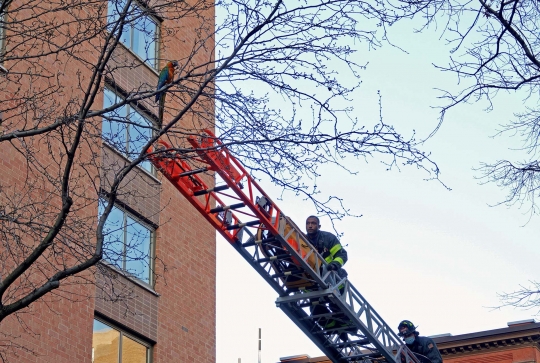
410, 328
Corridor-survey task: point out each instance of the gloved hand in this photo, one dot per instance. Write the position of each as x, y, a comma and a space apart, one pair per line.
334, 266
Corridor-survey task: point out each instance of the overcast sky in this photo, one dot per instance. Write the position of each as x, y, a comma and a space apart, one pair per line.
419, 252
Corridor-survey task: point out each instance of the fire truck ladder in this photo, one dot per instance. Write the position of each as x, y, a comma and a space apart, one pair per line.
278, 250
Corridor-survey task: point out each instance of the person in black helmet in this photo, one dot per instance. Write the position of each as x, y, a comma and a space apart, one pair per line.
417, 344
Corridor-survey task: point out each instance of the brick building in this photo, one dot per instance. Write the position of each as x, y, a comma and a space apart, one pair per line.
517, 343
154, 306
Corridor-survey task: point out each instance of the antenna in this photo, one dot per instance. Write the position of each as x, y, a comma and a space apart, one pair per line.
260, 345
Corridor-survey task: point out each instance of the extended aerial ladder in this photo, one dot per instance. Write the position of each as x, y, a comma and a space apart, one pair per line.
278, 250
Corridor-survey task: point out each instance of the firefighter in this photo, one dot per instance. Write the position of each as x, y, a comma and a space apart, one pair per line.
417, 344
327, 245
335, 255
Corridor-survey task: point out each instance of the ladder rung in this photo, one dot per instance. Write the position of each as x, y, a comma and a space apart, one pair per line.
273, 258
258, 242
191, 172
360, 356
210, 190
222, 208
316, 316
351, 342
335, 330
288, 273
242, 225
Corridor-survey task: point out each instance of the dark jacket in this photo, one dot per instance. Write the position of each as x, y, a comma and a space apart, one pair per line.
329, 247
426, 346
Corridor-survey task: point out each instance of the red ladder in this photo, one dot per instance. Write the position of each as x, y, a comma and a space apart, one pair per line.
278, 250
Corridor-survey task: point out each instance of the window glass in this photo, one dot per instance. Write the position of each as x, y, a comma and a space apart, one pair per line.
133, 352
115, 8
114, 127
113, 230
127, 244
2, 34
139, 32
110, 345
2, 25
126, 129
105, 343
137, 250
144, 39
139, 133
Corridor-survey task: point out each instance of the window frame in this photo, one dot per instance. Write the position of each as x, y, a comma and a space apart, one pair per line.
130, 47
122, 333
127, 213
129, 110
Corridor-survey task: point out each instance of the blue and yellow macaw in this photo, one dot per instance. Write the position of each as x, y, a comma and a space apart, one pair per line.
165, 77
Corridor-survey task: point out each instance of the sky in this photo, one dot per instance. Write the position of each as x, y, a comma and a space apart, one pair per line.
420, 252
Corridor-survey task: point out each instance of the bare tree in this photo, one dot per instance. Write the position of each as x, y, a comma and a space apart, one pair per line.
68, 95
526, 297
496, 47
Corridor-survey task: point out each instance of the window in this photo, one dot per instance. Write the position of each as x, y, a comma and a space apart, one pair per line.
140, 31
128, 244
126, 129
110, 345
3, 18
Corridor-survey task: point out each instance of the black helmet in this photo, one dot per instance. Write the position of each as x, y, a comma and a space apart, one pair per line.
406, 324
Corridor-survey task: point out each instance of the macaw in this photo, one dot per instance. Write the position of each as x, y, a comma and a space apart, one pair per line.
166, 76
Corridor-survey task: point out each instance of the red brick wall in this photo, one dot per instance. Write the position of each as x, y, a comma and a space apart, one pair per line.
137, 312
526, 351
181, 320
139, 191
502, 355
54, 329
58, 327
186, 243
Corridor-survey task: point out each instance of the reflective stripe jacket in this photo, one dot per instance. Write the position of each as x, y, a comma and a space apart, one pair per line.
426, 346
329, 247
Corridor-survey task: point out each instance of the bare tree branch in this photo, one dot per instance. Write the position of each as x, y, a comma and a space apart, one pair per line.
274, 79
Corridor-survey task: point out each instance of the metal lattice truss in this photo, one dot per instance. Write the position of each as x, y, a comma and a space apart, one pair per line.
327, 308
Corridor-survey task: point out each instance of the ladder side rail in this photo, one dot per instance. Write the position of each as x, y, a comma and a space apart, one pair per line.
373, 339
167, 167
326, 278
368, 322
316, 275
173, 167
301, 238
231, 237
406, 355
298, 316
328, 339
393, 339
295, 313
234, 185
233, 177
214, 153
250, 255
272, 219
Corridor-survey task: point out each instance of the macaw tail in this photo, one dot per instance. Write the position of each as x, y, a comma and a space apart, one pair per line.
161, 108
157, 97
